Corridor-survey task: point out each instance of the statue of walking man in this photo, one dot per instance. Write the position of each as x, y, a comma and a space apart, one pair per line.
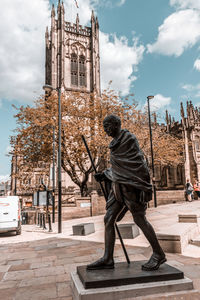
129, 189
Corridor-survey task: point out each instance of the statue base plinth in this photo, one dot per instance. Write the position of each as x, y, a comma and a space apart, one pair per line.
126, 281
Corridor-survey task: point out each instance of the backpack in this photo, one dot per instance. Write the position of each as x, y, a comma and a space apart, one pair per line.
190, 188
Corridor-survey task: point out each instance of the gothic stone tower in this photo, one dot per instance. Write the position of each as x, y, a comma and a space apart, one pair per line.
191, 130
72, 54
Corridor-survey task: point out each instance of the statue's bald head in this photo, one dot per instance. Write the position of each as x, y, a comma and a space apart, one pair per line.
112, 125
112, 119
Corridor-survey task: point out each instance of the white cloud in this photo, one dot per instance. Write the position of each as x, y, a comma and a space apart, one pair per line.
159, 102
22, 28
190, 87
85, 7
8, 149
118, 61
197, 64
121, 2
183, 4
181, 30
192, 90
84, 10
22, 48
4, 178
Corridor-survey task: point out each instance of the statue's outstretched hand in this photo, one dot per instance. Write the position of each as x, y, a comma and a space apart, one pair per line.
99, 177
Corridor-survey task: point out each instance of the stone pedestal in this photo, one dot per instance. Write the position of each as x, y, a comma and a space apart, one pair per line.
83, 229
126, 281
128, 231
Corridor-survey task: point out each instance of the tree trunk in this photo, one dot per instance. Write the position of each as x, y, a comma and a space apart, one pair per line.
83, 187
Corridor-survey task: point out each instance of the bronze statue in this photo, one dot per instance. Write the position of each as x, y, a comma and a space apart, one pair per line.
129, 188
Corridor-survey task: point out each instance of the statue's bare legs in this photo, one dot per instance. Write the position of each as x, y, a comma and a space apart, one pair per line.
107, 261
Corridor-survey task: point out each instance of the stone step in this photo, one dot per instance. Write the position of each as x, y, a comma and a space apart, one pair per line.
175, 238
83, 229
129, 291
182, 295
195, 241
189, 218
128, 230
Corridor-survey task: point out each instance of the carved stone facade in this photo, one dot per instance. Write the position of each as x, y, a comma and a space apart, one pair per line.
23, 183
175, 176
191, 136
72, 59
72, 54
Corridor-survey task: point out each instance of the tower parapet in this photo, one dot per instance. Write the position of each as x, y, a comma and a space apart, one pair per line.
73, 28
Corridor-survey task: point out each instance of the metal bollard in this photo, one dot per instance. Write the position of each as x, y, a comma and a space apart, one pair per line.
44, 221
49, 220
40, 220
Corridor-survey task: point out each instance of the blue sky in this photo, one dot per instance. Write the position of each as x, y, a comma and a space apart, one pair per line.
147, 48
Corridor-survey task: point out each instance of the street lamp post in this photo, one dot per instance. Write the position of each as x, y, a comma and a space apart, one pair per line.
15, 188
53, 177
59, 165
48, 89
152, 158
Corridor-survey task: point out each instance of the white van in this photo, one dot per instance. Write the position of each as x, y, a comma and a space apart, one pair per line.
10, 214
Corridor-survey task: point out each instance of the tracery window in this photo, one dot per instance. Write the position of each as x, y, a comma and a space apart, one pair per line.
74, 69
78, 70
197, 145
82, 73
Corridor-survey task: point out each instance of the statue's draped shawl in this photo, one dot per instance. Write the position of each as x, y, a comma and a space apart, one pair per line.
128, 165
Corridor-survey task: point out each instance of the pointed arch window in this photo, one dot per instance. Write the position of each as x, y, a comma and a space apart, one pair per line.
74, 69
82, 72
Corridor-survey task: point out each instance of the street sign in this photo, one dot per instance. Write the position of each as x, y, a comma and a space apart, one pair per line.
42, 198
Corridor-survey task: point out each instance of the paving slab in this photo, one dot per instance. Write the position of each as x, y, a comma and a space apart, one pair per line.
37, 252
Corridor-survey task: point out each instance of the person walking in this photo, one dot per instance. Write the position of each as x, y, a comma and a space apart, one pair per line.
189, 191
197, 188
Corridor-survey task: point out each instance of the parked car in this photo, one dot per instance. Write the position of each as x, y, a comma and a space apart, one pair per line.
10, 214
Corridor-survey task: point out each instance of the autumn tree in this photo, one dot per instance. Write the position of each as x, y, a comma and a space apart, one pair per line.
167, 146
83, 114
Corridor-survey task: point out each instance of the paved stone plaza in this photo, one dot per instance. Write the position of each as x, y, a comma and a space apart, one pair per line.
37, 264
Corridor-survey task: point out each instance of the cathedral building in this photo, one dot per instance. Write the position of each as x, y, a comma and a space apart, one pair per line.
188, 129
72, 58
73, 64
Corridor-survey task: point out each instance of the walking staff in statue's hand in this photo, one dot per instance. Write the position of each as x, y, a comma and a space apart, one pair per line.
130, 189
